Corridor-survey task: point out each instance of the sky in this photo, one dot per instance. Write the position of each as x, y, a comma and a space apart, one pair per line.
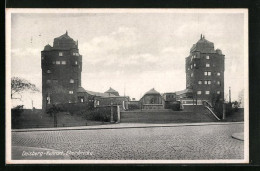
130, 52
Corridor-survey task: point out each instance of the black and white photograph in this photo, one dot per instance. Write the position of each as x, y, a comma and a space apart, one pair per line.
115, 86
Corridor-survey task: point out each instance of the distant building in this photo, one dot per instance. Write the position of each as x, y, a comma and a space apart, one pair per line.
152, 100
112, 92
205, 68
61, 71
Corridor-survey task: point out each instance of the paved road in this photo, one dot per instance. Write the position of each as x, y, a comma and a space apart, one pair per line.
168, 143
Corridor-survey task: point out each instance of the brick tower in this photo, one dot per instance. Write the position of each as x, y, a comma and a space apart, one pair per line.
61, 71
205, 68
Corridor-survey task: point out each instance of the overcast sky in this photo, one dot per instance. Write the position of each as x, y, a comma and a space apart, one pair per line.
138, 51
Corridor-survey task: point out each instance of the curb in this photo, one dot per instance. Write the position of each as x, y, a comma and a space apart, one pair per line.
125, 126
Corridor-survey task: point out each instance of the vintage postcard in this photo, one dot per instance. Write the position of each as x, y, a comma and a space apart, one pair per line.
110, 86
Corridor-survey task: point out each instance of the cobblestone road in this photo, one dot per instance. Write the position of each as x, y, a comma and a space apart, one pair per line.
168, 143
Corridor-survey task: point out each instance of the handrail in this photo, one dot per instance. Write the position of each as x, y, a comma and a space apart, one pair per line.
209, 107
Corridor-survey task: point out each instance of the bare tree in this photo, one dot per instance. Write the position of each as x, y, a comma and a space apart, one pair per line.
19, 85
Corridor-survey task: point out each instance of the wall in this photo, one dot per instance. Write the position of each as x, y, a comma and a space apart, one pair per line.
164, 117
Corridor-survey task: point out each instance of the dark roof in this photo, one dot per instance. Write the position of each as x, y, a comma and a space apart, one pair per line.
183, 91
82, 90
64, 36
47, 47
111, 91
152, 91
203, 46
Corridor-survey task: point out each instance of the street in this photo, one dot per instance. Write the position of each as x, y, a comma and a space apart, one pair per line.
158, 143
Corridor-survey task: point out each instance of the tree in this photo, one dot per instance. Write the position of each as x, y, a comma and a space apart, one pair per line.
19, 85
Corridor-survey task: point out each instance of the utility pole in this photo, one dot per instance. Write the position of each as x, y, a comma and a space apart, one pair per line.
229, 94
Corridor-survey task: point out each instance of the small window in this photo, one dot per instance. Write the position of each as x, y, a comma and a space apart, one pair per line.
69, 101
63, 62
207, 73
218, 82
188, 68
191, 66
194, 65
218, 92
42, 57
58, 62
53, 62
70, 92
199, 82
198, 92
71, 81
191, 74
209, 82
207, 65
207, 92
60, 54
48, 81
48, 71
207, 57
205, 82
76, 62
218, 74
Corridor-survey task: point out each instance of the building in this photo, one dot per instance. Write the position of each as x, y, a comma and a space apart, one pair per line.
152, 100
205, 68
112, 92
61, 71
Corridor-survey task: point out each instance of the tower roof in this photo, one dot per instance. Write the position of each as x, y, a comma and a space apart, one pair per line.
64, 42
110, 90
47, 47
203, 46
152, 91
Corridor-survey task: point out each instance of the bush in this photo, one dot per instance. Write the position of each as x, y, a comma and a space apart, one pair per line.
133, 106
15, 115
99, 114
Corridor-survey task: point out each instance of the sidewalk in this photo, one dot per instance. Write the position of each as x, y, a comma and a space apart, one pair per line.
124, 125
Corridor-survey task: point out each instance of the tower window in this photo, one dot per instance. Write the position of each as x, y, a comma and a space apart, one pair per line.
60, 54
218, 92
191, 74
58, 62
76, 62
207, 82
207, 65
63, 62
218, 82
53, 62
207, 73
48, 71
48, 81
207, 57
218, 74
191, 66
194, 65
199, 82
69, 101
207, 92
71, 81
198, 92
42, 57
70, 92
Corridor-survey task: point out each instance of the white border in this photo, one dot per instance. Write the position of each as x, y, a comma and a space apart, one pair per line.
9, 11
